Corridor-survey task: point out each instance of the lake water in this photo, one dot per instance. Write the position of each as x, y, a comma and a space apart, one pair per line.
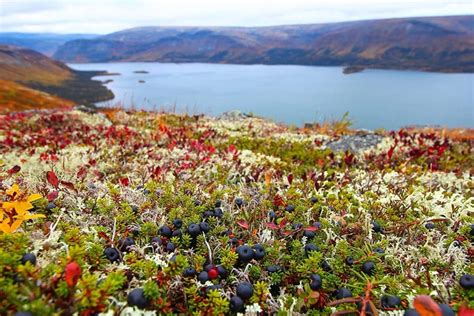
296, 94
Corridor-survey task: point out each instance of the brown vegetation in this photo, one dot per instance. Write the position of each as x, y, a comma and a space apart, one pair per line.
16, 97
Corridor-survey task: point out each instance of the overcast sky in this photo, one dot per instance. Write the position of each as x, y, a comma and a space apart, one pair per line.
105, 16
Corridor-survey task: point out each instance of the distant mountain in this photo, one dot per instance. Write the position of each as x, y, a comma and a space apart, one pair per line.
37, 71
45, 43
428, 43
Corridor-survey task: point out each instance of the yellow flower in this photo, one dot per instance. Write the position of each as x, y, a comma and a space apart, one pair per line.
14, 190
14, 213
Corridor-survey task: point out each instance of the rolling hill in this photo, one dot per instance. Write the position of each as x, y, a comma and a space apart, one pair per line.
25, 65
45, 43
428, 43
22, 68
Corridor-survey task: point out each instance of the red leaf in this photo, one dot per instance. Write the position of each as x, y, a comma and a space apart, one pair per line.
290, 178
465, 311
283, 222
349, 159
231, 148
442, 149
272, 225
14, 170
73, 272
68, 185
125, 182
390, 152
311, 228
104, 236
52, 179
278, 200
243, 224
52, 196
81, 174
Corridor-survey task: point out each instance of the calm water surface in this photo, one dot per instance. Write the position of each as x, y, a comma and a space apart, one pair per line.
296, 94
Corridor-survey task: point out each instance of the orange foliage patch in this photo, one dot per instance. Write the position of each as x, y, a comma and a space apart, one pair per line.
425, 306
16, 97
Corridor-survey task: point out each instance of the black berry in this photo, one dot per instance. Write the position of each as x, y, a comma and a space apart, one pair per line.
342, 293
170, 247
309, 233
467, 281
222, 272
194, 230
446, 310
376, 227
204, 227
189, 272
368, 267
177, 223
28, 257
349, 261
165, 231
274, 268
310, 247
137, 298
239, 202
429, 225
245, 253
203, 277
390, 301
325, 266
316, 282
125, 243
112, 254
244, 290
259, 252
236, 304
411, 312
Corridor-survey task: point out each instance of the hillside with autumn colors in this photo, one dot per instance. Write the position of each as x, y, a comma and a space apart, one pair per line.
32, 80
16, 97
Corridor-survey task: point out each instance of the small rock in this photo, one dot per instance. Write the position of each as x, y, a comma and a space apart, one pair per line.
355, 143
234, 115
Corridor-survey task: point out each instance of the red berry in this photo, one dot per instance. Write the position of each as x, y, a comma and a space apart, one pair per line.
73, 272
213, 273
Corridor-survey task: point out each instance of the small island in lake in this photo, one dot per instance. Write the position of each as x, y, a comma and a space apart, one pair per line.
352, 69
141, 72
141, 81
106, 73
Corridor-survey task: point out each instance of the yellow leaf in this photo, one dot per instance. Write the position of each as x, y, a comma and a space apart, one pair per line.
16, 224
34, 197
14, 190
5, 227
32, 216
22, 206
8, 206
268, 178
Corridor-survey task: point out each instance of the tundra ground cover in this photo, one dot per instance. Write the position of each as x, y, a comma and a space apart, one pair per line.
177, 214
